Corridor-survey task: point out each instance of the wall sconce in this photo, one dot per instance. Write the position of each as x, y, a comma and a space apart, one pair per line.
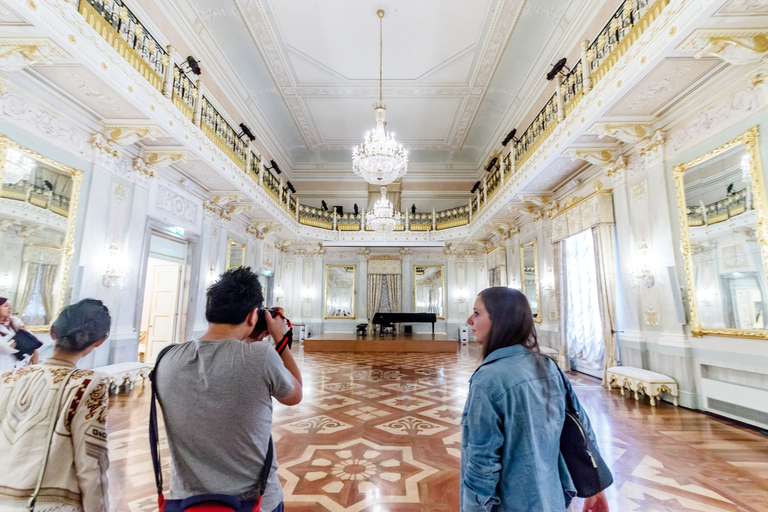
213, 276
307, 294
278, 293
116, 270
643, 276
461, 295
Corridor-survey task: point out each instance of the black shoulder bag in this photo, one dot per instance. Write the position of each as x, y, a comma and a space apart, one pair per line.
589, 472
209, 502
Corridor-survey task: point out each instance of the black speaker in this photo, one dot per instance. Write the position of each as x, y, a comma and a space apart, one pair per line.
339, 210
408, 330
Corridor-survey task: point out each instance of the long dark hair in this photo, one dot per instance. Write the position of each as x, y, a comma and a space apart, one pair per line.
511, 320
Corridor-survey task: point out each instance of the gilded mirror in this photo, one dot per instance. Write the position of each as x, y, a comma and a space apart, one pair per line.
38, 208
340, 291
529, 270
429, 289
235, 254
721, 205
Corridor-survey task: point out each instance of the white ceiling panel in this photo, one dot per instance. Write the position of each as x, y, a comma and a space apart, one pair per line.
343, 36
413, 120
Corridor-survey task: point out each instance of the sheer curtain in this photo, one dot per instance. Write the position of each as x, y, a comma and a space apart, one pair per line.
29, 279
393, 291
605, 264
47, 290
374, 294
584, 327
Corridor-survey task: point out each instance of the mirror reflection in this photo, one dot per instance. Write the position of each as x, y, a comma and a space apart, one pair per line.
722, 223
235, 254
340, 291
36, 225
529, 271
429, 289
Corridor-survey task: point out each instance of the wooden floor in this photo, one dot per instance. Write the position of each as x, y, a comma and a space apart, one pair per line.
349, 342
380, 432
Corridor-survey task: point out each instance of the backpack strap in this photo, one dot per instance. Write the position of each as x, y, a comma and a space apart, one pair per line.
154, 439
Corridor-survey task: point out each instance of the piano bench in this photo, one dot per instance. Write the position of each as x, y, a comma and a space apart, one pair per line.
362, 330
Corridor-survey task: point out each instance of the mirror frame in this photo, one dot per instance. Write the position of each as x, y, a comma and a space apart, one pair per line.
442, 276
354, 291
230, 243
537, 316
750, 140
68, 245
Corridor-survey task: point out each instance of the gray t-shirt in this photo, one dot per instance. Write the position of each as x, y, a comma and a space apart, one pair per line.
216, 398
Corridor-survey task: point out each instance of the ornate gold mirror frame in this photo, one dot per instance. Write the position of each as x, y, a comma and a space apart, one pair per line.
750, 141
231, 244
351, 269
532, 243
14, 198
419, 270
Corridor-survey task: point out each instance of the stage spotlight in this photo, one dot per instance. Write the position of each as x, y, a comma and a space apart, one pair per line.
275, 167
557, 69
245, 131
510, 137
192, 65
290, 187
491, 164
474, 189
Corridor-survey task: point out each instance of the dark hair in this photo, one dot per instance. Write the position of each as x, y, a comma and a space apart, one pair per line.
80, 325
232, 298
511, 320
3, 300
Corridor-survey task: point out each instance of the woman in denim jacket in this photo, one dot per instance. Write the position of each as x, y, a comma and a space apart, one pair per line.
510, 445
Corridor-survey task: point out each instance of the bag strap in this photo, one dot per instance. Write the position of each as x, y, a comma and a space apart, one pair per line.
51, 431
569, 406
154, 439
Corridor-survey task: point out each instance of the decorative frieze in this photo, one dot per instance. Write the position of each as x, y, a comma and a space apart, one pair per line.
170, 202
19, 53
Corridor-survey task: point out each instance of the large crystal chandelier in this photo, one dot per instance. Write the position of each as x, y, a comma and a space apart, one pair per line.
379, 159
383, 218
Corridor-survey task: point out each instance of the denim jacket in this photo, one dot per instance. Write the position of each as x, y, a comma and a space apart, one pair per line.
510, 443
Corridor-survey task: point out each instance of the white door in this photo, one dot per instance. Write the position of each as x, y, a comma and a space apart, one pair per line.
162, 309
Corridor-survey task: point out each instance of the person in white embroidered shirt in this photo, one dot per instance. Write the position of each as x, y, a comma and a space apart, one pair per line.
53, 422
9, 324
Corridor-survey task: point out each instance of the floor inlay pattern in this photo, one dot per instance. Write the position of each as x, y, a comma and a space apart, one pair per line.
381, 432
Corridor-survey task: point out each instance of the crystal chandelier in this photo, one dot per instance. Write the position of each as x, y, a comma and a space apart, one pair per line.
379, 160
383, 218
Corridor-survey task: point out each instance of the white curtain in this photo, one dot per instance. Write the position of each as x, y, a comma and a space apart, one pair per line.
393, 291
48, 291
584, 328
374, 294
28, 281
605, 264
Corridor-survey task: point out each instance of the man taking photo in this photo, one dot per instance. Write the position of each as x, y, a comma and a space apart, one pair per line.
216, 396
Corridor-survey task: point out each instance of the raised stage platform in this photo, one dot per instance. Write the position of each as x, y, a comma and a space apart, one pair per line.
349, 342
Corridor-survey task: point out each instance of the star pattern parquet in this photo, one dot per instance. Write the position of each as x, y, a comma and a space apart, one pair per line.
381, 432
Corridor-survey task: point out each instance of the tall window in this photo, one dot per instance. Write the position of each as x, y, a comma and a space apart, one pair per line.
584, 329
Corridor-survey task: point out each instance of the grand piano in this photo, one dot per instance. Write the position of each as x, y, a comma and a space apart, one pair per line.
390, 319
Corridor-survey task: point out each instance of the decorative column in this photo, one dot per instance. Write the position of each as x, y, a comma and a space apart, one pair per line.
361, 308
560, 91
169, 75
586, 67
197, 117
261, 174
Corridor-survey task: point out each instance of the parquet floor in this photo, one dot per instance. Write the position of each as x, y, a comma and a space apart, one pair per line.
380, 432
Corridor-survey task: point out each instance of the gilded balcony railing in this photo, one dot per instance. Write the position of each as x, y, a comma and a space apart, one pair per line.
540, 128
315, 217
420, 221
120, 28
628, 23
222, 134
572, 88
271, 185
184, 92
452, 217
493, 182
255, 166
41, 197
473, 204
348, 222
292, 204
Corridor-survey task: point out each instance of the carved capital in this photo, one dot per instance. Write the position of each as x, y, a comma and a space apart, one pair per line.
653, 143
629, 132
233, 209
594, 155
105, 153
363, 253
405, 252
142, 170
159, 159
616, 168
126, 135
222, 199
19, 53
737, 46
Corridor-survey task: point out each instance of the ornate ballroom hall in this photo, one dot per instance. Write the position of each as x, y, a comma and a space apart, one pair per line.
396, 158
